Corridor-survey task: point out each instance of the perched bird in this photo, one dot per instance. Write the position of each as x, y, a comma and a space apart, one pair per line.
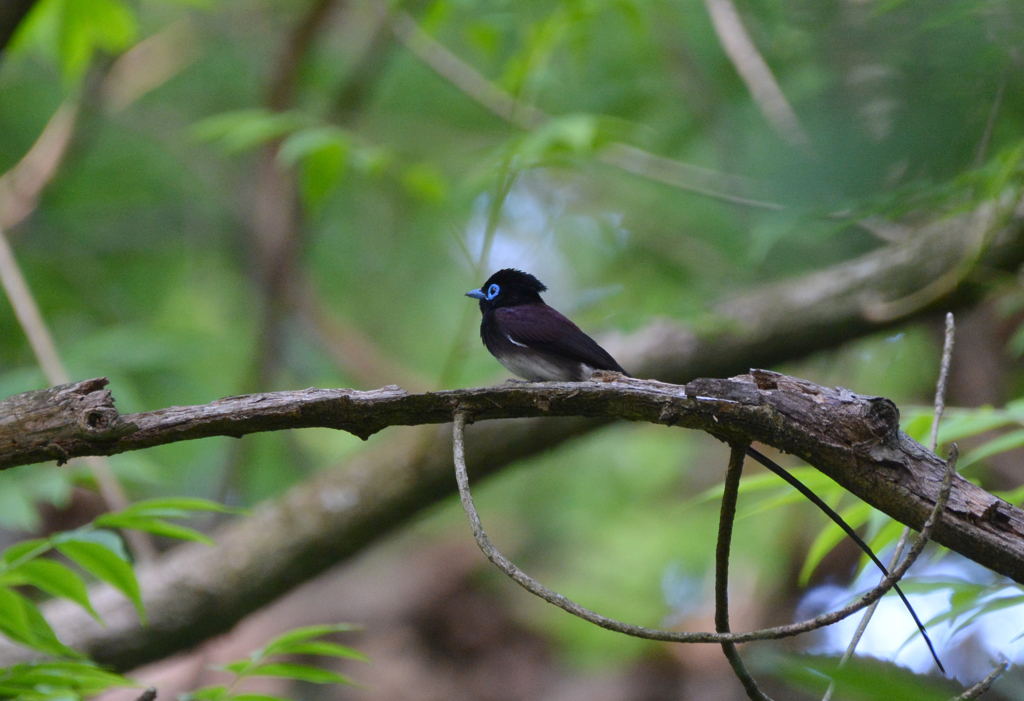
531, 339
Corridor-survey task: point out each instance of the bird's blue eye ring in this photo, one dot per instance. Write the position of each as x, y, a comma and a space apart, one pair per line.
493, 291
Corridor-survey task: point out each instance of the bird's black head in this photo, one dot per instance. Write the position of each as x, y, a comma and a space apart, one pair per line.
508, 288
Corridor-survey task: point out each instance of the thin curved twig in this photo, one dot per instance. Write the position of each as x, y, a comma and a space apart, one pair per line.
566, 604
725, 522
985, 684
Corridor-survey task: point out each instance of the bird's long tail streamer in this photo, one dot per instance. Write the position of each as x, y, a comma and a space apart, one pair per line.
838, 520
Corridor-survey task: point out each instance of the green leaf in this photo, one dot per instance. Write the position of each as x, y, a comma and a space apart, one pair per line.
761, 482
829, 491
111, 23
299, 672
861, 678
53, 578
239, 667
988, 607
84, 677
21, 621
322, 154
13, 620
887, 534
243, 130
320, 647
87, 534
575, 134
154, 526
118, 519
161, 507
69, 32
830, 536
25, 550
1008, 441
106, 565
965, 423
45, 639
306, 142
426, 182
208, 693
283, 644
917, 423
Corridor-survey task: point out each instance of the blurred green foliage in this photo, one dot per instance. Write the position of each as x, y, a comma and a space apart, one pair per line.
273, 660
96, 550
144, 256
65, 674
862, 679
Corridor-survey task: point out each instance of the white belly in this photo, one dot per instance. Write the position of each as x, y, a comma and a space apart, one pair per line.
538, 368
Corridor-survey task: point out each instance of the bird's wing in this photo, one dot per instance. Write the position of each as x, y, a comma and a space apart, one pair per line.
542, 328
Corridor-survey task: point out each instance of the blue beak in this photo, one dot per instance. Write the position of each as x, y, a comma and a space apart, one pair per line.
476, 294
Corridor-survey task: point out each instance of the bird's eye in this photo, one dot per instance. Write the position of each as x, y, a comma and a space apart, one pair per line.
493, 291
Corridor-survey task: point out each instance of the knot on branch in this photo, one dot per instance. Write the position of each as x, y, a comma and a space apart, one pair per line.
99, 420
93, 409
883, 418
52, 423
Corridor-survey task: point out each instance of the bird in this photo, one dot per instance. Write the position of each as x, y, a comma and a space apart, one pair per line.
531, 339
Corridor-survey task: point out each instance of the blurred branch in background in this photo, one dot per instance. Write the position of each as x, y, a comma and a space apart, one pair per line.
462, 75
277, 230
21, 186
351, 349
756, 74
145, 67
149, 64
631, 159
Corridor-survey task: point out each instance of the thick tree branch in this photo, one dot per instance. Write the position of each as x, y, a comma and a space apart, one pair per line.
196, 592
852, 438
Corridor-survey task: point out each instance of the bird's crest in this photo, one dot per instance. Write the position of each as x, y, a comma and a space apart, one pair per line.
512, 279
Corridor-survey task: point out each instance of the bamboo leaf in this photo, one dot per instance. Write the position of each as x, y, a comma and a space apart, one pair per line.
106, 565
